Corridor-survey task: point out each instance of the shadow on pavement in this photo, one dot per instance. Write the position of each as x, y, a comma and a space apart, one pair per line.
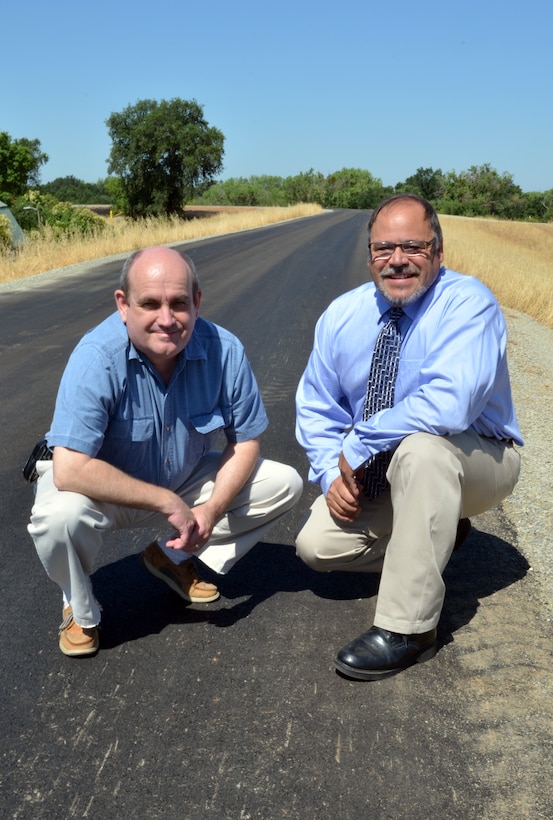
484, 565
136, 605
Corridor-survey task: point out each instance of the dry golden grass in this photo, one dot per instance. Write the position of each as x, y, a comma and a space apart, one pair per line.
514, 259
46, 253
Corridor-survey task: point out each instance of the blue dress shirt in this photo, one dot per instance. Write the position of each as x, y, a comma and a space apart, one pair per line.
452, 374
112, 403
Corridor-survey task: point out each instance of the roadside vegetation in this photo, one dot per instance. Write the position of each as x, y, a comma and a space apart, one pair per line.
513, 259
477, 191
49, 249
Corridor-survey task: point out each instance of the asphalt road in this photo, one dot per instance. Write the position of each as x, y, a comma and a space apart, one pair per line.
233, 710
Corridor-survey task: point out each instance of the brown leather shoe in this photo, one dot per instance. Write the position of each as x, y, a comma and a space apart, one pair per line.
182, 578
77, 640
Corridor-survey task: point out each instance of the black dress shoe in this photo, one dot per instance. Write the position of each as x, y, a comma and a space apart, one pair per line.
378, 653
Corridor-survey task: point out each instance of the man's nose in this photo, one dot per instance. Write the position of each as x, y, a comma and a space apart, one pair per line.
166, 315
399, 258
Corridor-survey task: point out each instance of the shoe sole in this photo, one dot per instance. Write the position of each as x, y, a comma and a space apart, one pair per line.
175, 587
78, 653
377, 674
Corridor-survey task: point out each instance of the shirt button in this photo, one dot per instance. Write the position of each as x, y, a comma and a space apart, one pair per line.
167, 427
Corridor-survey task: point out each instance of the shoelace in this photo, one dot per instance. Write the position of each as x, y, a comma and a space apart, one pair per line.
66, 622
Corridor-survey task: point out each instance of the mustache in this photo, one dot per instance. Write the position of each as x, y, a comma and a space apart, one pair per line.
386, 273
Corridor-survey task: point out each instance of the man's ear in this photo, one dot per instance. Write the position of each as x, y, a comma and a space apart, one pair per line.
122, 304
197, 300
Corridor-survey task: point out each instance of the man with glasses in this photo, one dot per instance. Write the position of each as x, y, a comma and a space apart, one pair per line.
406, 415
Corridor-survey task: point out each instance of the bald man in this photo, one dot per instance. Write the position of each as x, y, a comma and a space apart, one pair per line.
140, 405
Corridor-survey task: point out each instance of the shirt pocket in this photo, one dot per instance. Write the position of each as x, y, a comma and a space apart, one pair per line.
129, 444
204, 430
136, 429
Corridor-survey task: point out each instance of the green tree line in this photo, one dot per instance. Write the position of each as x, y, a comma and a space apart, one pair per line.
478, 191
165, 155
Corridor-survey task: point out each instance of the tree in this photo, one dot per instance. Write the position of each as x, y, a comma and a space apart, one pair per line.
20, 162
353, 188
255, 191
481, 191
305, 187
539, 205
71, 189
116, 190
425, 182
163, 152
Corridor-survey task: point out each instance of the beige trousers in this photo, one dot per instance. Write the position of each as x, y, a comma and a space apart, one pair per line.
68, 528
408, 532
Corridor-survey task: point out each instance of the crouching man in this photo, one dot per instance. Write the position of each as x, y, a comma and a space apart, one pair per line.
406, 415
142, 400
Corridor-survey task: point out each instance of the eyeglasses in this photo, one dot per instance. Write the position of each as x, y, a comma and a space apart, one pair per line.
413, 247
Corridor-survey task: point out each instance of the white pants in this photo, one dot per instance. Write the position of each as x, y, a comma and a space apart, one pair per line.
408, 532
68, 528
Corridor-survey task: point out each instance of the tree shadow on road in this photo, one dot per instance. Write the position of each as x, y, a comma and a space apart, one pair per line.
135, 604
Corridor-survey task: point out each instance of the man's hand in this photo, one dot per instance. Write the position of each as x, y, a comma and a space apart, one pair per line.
235, 467
77, 472
195, 528
187, 532
343, 495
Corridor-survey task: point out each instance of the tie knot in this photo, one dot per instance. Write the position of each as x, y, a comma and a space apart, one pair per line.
396, 313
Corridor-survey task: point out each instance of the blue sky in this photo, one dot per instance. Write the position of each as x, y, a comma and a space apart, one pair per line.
384, 86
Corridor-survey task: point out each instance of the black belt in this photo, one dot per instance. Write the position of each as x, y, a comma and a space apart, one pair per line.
508, 442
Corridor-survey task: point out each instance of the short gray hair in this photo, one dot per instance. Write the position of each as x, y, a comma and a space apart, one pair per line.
429, 211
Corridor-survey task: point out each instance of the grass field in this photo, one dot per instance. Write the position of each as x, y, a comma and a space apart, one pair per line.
514, 259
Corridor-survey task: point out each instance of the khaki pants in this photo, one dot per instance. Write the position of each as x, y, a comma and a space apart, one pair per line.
68, 528
408, 532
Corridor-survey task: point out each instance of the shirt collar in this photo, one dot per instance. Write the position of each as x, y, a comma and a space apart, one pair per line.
195, 349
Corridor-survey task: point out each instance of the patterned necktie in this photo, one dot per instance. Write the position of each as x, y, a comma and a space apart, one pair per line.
380, 394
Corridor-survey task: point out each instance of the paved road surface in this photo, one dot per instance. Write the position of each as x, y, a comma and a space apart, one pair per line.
232, 710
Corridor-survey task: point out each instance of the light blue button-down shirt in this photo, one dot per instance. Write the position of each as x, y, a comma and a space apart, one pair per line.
112, 403
452, 374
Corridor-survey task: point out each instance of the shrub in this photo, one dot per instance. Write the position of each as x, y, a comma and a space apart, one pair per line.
63, 218
66, 219
5, 233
